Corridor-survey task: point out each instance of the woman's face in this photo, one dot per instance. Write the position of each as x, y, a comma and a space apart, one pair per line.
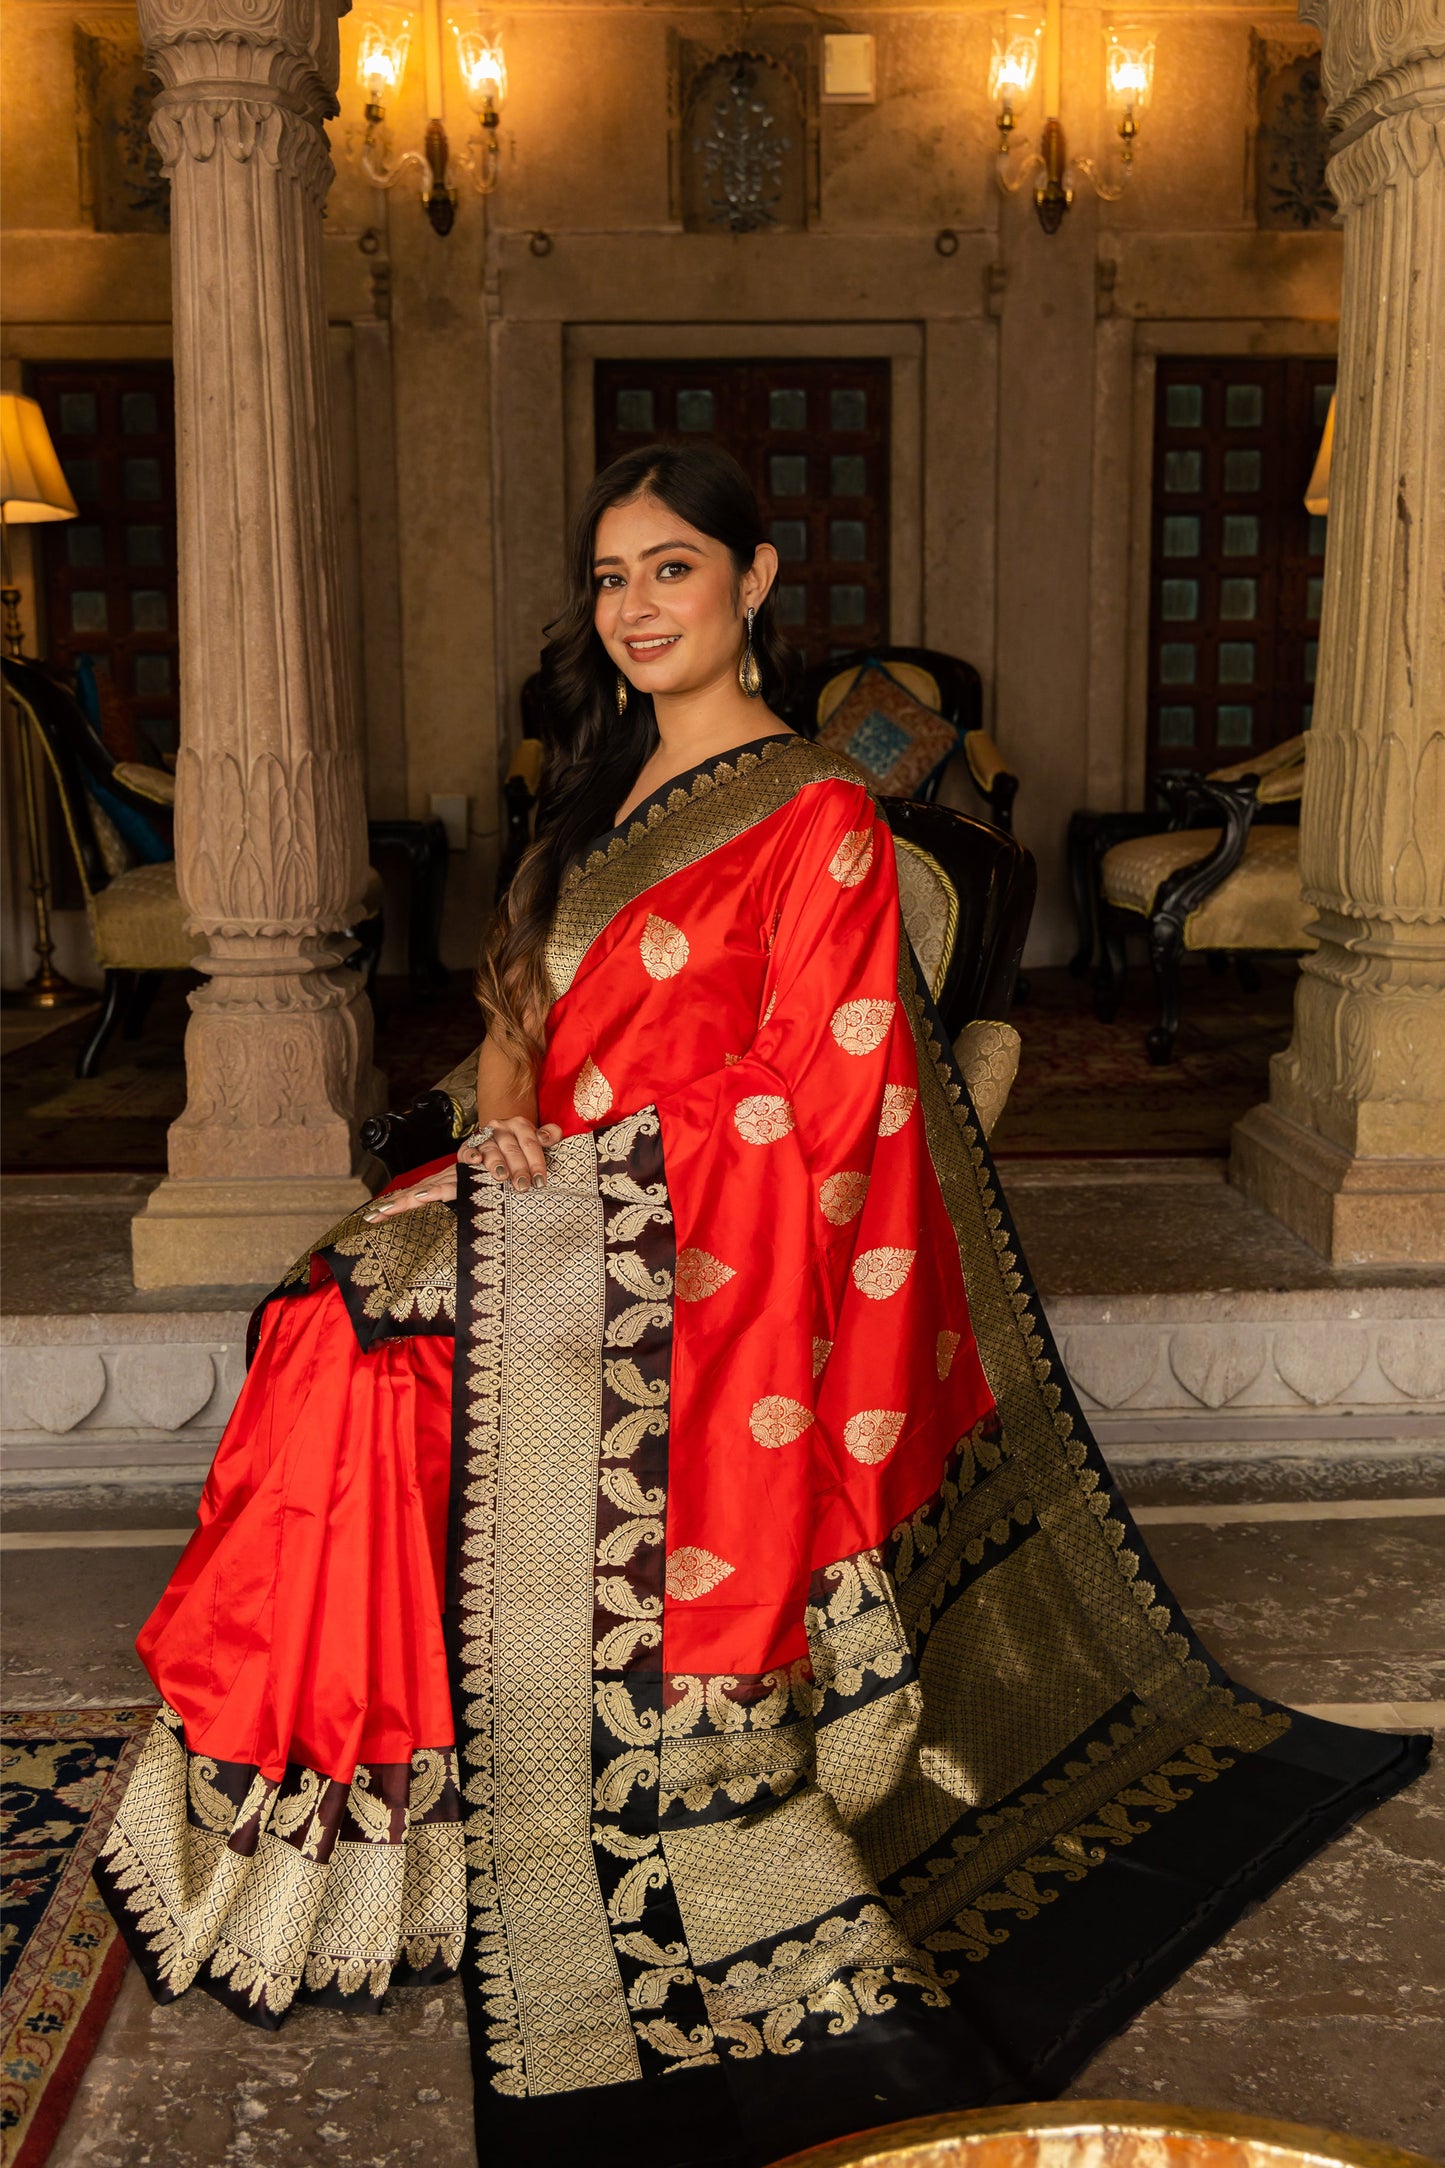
669, 606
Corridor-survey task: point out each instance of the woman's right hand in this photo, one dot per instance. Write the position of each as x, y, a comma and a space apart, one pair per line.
512, 1149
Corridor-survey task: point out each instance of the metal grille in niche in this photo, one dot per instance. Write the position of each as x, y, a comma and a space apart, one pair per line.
1292, 145
1237, 572
743, 146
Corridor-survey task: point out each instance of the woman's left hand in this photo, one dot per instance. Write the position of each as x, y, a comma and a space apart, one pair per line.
510, 1152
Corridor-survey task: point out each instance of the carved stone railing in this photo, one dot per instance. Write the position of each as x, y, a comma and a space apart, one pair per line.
270, 820
1350, 1150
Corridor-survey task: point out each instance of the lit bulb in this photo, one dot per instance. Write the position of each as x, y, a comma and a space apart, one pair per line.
484, 71
381, 61
1129, 69
1015, 62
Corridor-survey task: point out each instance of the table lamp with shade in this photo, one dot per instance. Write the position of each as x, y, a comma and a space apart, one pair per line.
32, 487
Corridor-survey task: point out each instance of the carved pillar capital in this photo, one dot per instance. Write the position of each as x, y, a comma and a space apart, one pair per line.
1376, 53
252, 82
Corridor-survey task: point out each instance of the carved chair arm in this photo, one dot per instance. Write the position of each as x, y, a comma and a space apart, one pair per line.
1236, 805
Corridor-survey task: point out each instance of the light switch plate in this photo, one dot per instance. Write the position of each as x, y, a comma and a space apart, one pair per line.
452, 813
850, 75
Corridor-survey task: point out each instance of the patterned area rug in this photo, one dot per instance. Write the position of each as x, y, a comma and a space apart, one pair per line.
62, 1772
1089, 1090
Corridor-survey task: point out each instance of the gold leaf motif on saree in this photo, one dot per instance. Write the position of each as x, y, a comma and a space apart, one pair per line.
699, 1274
898, 1100
777, 1420
860, 1027
693, 1572
853, 857
822, 1349
947, 1348
763, 1119
591, 1094
842, 1196
664, 948
880, 1273
872, 1433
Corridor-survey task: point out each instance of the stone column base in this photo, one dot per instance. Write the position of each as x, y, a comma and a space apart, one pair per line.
1352, 1211
234, 1234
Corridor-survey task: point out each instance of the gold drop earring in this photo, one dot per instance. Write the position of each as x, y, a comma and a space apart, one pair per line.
750, 677
621, 694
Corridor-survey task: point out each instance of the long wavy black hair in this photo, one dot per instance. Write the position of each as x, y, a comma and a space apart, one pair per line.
593, 754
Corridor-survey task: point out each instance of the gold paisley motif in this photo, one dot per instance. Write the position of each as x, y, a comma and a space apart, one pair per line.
691, 1572
872, 1433
822, 1349
948, 1346
880, 1273
663, 947
699, 1274
860, 1027
853, 857
898, 1103
591, 1094
763, 1118
841, 1197
777, 1420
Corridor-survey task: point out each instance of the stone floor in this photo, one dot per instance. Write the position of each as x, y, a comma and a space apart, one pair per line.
1096, 1227
1326, 2005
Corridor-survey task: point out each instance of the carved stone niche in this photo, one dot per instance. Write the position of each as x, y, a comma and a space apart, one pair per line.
122, 186
1290, 139
744, 133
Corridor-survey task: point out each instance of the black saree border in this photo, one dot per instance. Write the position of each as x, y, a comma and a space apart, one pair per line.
1284, 1784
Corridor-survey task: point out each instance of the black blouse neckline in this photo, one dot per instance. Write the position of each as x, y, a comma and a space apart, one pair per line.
645, 812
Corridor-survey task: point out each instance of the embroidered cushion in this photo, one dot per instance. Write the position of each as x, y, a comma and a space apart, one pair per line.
898, 742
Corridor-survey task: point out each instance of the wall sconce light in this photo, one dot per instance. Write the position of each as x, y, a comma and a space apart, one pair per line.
1128, 81
380, 67
484, 72
1011, 71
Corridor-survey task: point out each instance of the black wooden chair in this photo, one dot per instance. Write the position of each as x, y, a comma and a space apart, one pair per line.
1228, 888
943, 682
137, 919
967, 891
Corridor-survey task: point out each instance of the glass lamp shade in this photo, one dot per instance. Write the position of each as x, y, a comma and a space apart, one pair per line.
1015, 60
32, 481
1129, 69
484, 71
381, 61
1317, 489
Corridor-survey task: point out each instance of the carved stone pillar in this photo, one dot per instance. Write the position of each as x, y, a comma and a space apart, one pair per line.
1350, 1150
270, 821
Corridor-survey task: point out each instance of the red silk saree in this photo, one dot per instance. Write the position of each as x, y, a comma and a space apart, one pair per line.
686, 1598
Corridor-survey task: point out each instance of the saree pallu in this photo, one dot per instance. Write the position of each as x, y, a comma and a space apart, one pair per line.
823, 1746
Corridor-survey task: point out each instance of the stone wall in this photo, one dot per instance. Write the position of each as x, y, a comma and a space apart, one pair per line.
1023, 364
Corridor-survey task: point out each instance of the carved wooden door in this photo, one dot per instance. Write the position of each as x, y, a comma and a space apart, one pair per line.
1237, 564
813, 437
